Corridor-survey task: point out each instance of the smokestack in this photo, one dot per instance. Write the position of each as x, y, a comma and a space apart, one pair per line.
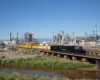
95, 30
93, 33
52, 37
10, 37
17, 37
21, 36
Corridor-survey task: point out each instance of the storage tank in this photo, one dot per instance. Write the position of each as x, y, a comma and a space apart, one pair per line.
41, 44
13, 42
46, 44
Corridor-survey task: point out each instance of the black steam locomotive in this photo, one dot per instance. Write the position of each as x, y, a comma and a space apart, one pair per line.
68, 49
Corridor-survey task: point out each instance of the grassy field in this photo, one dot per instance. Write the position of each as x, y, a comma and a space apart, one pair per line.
44, 61
18, 76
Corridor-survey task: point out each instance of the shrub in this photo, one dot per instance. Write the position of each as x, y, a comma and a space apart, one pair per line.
11, 79
1, 78
3, 61
37, 76
33, 50
3, 57
33, 78
10, 61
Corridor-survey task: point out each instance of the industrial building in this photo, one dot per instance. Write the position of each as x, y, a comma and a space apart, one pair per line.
63, 39
73, 39
28, 39
13, 40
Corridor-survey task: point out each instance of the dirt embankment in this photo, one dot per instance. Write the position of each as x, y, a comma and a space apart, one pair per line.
24, 53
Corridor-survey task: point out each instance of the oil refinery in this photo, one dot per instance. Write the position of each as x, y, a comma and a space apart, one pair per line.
27, 40
73, 39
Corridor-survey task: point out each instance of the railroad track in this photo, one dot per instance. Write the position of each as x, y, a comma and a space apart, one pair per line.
72, 54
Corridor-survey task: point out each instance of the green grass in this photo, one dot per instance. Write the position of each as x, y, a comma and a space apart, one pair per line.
43, 61
3, 57
18, 76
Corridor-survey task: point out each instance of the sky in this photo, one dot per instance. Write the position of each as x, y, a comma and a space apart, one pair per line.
42, 17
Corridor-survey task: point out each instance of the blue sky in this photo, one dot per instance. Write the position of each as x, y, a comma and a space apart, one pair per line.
47, 16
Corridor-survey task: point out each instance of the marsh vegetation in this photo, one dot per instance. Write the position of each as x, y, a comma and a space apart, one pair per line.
18, 76
44, 61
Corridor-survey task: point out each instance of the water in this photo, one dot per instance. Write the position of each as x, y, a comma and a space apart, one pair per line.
68, 73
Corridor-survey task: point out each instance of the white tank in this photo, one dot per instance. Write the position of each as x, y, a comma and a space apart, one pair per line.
46, 44
13, 42
41, 44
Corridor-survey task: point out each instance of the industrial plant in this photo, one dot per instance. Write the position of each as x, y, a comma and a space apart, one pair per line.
59, 38
27, 40
73, 39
